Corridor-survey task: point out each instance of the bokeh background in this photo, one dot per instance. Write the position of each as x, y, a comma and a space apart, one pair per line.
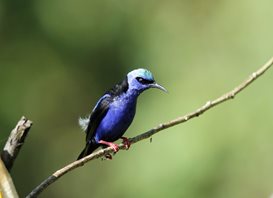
58, 57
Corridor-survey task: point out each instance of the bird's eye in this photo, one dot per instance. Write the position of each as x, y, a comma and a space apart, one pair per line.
144, 81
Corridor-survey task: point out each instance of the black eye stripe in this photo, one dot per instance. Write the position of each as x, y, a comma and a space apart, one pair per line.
144, 81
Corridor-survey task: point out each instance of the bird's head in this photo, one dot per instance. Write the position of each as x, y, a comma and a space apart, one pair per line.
142, 79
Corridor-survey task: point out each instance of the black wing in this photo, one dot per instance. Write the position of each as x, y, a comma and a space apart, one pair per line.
119, 88
102, 107
97, 115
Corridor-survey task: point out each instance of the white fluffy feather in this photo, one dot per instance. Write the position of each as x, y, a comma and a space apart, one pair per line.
83, 122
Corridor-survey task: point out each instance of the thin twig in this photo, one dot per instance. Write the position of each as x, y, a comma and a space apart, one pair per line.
229, 95
15, 142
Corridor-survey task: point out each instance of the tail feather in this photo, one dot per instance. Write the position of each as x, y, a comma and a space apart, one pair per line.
89, 148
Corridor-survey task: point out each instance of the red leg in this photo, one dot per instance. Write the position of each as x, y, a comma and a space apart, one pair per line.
110, 144
126, 142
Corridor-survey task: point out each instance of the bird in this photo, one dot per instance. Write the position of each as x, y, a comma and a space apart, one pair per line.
115, 111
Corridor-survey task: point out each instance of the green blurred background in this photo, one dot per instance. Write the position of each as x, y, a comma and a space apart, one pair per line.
58, 57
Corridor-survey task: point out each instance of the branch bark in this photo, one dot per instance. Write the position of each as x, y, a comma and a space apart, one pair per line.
15, 142
227, 96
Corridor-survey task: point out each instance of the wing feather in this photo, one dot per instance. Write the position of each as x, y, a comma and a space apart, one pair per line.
97, 115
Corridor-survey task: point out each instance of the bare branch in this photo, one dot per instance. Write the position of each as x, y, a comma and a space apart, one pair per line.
229, 95
7, 189
15, 142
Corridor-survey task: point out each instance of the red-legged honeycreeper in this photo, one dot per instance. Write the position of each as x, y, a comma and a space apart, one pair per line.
115, 111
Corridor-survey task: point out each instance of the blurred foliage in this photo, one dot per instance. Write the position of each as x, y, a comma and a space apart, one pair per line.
58, 57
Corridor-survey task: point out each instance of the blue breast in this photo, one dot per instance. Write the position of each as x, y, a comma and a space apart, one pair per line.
118, 118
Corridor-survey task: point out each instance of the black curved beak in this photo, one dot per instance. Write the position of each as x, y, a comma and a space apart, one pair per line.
158, 86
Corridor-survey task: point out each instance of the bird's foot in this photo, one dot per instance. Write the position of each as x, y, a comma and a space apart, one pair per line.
110, 144
126, 142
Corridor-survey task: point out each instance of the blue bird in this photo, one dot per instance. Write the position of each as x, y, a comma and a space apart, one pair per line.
115, 111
